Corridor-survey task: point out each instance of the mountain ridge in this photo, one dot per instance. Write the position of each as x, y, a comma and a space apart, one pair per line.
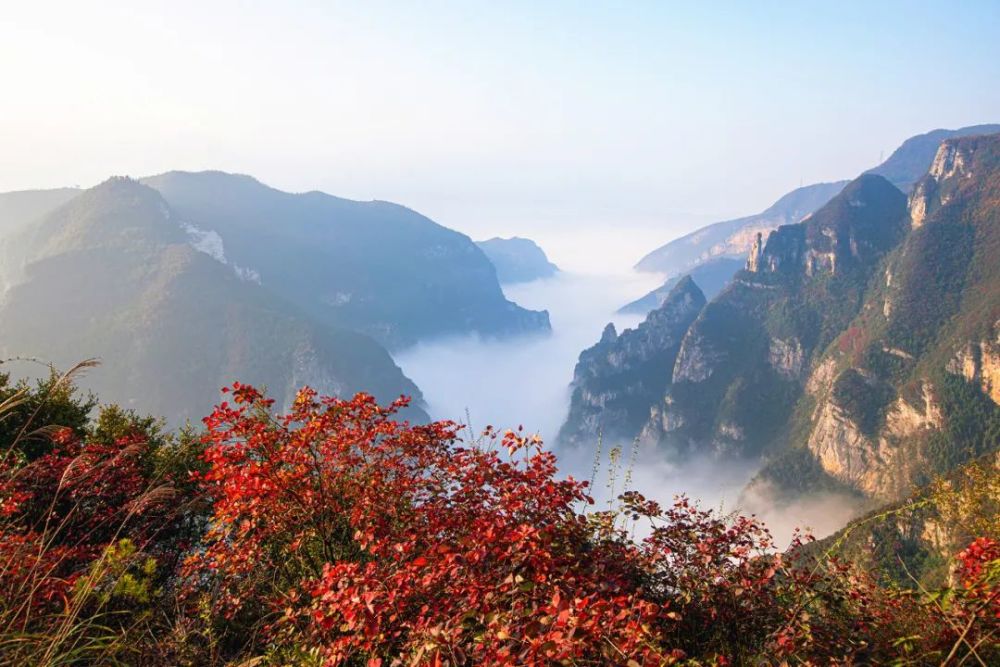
166, 317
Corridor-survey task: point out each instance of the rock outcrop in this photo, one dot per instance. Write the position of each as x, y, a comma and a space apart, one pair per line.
617, 381
909, 387
979, 363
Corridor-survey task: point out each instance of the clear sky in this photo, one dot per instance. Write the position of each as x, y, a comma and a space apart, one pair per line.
492, 117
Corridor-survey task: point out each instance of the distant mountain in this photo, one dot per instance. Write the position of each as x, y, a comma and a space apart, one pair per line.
517, 260
732, 238
618, 379
18, 208
114, 273
711, 276
910, 161
374, 267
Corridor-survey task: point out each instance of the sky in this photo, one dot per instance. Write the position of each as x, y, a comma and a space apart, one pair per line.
600, 129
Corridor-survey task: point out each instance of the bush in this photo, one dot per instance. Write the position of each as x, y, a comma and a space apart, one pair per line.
338, 535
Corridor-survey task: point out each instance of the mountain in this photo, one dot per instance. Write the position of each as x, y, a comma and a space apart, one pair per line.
711, 276
859, 351
374, 267
917, 537
517, 260
114, 273
732, 238
21, 207
910, 388
910, 161
746, 354
617, 380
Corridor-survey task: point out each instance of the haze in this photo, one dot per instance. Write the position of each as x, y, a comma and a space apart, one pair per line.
507, 118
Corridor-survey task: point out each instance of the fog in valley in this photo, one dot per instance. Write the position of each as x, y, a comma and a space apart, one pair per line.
525, 382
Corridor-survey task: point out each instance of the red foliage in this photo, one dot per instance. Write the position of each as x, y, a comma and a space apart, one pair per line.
389, 541
64, 509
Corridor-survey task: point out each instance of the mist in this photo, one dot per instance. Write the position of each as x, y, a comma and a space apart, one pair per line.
525, 382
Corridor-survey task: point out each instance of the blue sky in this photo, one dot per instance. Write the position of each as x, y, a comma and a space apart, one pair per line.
534, 118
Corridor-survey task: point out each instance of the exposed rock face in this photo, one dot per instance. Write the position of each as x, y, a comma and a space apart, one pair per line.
756, 256
733, 238
857, 227
618, 380
915, 156
950, 162
697, 359
979, 363
786, 357
878, 465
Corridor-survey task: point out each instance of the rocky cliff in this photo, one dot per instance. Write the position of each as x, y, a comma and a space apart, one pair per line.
908, 388
618, 380
749, 352
733, 239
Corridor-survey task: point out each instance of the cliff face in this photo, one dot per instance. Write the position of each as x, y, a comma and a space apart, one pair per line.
978, 362
618, 380
853, 230
908, 389
910, 161
744, 362
732, 238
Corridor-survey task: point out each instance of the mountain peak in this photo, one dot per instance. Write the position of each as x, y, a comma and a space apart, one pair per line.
865, 220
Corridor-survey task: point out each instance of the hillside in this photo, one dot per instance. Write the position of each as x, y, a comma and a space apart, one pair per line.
909, 389
732, 238
517, 260
113, 274
374, 267
617, 380
908, 163
23, 206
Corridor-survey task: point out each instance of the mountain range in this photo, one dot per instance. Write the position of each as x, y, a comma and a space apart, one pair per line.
184, 282
732, 238
858, 351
